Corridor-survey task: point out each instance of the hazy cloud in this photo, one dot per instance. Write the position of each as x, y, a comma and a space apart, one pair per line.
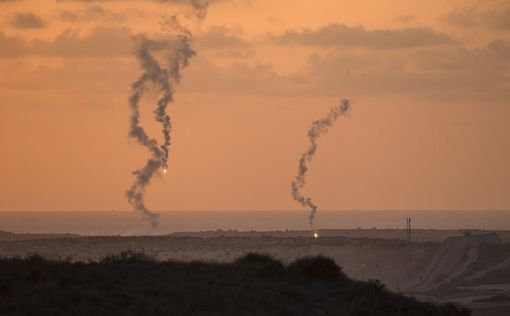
238, 79
447, 73
500, 48
343, 35
115, 41
28, 20
87, 75
90, 13
89, 1
101, 42
492, 15
160, 1
464, 17
225, 43
406, 18
12, 46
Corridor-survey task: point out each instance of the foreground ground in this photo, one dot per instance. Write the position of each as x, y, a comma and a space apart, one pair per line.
133, 284
470, 269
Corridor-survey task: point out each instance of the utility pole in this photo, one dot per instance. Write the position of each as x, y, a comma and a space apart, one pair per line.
408, 229
409, 245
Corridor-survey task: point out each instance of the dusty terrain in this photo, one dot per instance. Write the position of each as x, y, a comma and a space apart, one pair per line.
471, 268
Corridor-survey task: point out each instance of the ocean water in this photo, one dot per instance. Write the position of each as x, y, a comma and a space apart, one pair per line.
130, 223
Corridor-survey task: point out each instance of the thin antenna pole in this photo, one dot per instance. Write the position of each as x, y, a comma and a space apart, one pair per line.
409, 250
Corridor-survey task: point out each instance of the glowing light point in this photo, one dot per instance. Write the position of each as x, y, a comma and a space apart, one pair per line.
165, 170
315, 235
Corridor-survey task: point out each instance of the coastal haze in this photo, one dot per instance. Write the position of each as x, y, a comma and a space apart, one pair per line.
127, 223
175, 136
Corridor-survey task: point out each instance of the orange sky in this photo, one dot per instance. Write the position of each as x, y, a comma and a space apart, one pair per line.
429, 127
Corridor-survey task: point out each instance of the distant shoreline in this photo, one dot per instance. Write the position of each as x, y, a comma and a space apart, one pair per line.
418, 235
92, 223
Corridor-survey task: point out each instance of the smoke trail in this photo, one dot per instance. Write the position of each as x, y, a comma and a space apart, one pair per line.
318, 127
177, 52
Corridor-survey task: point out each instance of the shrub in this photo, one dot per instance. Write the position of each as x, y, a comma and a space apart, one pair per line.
377, 284
257, 258
127, 256
319, 268
133, 284
263, 264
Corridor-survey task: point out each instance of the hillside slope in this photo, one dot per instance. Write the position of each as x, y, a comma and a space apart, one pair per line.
133, 284
462, 259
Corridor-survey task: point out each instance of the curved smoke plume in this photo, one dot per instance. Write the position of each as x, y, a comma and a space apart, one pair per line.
318, 128
177, 52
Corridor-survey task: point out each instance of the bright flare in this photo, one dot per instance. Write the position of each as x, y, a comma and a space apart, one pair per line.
315, 235
165, 170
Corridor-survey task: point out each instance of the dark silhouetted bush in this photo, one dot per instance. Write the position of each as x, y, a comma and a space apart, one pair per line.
127, 256
257, 258
318, 268
377, 284
264, 265
133, 284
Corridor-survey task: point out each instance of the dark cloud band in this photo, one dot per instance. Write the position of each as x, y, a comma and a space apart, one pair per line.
343, 35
